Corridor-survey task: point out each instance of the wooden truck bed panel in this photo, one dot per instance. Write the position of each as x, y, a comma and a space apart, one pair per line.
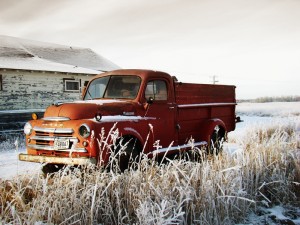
187, 93
190, 114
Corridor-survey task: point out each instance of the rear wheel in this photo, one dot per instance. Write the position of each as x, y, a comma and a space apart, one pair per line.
216, 140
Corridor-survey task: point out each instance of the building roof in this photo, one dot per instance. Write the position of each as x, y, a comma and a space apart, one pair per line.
22, 54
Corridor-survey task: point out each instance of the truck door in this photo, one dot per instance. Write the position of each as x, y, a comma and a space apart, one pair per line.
163, 110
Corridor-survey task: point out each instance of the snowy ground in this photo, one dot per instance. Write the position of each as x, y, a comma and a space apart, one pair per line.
10, 166
252, 114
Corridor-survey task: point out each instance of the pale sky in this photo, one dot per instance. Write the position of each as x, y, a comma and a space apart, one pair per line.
254, 45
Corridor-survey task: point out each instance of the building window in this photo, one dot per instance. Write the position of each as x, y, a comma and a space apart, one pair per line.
1, 86
71, 85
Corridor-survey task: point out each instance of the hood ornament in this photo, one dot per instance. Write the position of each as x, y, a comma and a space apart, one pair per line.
59, 103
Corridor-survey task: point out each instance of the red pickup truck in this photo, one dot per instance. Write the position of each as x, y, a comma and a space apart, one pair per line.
151, 111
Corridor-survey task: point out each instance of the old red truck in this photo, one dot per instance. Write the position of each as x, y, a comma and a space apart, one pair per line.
151, 111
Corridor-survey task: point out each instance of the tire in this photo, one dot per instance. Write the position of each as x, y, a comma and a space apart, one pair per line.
51, 168
216, 140
129, 155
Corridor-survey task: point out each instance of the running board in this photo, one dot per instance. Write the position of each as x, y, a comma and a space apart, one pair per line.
179, 147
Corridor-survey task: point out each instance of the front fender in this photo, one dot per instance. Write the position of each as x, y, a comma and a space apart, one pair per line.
133, 132
139, 130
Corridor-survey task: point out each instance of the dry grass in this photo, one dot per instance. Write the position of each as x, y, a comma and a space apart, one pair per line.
218, 190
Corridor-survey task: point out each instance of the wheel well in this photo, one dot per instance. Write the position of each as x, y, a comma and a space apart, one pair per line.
210, 126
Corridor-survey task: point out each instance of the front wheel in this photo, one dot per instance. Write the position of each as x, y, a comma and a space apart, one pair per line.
51, 168
128, 150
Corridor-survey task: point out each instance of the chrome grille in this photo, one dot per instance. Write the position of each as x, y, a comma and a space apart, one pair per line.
44, 139
54, 130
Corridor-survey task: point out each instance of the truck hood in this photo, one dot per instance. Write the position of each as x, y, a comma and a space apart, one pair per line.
88, 109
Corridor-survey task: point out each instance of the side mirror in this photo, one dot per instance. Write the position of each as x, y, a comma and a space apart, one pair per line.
148, 103
150, 100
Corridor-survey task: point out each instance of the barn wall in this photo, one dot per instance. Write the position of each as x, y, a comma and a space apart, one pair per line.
35, 90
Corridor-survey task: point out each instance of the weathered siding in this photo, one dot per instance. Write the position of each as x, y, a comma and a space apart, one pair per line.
35, 90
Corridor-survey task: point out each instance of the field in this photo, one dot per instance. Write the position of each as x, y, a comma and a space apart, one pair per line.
255, 180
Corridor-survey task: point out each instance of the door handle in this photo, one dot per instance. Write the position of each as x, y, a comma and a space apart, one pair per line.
171, 107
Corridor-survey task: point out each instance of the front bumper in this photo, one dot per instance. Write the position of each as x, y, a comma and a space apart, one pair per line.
56, 160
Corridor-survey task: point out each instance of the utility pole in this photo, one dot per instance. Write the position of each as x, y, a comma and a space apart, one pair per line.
214, 80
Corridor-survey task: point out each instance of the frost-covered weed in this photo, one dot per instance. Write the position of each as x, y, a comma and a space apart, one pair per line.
214, 190
11, 141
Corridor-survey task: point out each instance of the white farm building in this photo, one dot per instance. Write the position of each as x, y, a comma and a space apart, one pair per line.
34, 74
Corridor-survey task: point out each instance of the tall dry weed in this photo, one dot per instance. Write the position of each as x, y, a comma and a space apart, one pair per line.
218, 189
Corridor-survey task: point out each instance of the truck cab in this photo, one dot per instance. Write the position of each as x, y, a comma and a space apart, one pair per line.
150, 110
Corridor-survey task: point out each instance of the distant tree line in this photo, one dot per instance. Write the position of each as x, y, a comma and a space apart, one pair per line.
273, 99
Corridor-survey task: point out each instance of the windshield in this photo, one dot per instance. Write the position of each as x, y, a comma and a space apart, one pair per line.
113, 87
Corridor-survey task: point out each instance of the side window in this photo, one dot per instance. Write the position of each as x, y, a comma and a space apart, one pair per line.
1, 86
71, 85
157, 89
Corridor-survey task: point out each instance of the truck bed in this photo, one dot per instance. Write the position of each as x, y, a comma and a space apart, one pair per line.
198, 103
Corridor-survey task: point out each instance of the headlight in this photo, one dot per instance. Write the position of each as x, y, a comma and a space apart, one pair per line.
27, 129
84, 130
